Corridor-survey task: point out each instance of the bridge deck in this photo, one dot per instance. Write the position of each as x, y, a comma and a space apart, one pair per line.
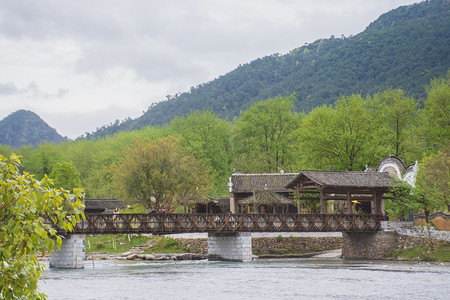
223, 223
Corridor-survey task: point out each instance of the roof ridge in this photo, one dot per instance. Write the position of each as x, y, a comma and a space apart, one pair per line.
254, 174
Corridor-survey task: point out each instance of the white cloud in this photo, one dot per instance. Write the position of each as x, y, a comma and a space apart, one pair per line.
83, 64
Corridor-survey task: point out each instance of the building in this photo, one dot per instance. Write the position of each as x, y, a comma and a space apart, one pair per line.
245, 186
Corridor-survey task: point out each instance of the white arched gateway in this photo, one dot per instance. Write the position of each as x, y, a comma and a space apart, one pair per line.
396, 168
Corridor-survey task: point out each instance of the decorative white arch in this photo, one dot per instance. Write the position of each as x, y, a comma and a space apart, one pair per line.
389, 164
411, 174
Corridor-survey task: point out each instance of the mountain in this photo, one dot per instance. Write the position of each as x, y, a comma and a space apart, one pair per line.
403, 48
24, 127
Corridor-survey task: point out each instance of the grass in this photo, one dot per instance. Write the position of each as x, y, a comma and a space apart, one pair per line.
423, 253
167, 245
114, 243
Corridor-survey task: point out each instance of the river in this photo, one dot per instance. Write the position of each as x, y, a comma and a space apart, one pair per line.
261, 279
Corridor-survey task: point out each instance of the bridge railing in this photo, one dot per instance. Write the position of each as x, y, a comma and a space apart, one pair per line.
186, 223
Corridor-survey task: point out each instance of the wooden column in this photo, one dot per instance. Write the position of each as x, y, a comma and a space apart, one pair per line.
381, 203
233, 203
323, 203
378, 200
349, 202
374, 207
298, 199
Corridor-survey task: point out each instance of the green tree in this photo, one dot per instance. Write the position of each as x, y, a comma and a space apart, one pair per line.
209, 138
395, 114
433, 179
161, 172
6, 150
266, 134
65, 175
401, 202
340, 137
25, 204
40, 161
99, 185
436, 114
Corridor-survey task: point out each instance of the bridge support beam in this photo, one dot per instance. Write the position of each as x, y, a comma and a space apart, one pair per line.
230, 246
72, 253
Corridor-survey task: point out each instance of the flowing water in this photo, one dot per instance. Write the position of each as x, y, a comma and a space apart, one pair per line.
260, 279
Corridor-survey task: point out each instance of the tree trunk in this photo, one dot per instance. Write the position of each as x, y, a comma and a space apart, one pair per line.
427, 216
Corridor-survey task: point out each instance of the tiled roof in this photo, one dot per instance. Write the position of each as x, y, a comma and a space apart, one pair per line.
247, 183
266, 197
345, 179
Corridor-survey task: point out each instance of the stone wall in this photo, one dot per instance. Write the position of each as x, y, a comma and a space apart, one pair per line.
295, 245
363, 245
380, 244
270, 245
194, 245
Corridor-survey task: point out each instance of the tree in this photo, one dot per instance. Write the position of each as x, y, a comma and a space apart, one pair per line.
436, 114
339, 138
65, 175
41, 160
401, 202
161, 173
99, 185
209, 138
395, 114
6, 150
25, 204
266, 135
433, 179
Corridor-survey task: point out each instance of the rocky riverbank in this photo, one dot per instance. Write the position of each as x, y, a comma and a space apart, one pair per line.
137, 254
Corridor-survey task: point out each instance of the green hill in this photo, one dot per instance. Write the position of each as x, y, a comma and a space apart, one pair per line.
24, 127
403, 48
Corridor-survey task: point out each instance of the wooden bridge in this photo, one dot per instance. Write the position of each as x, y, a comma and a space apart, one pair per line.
225, 223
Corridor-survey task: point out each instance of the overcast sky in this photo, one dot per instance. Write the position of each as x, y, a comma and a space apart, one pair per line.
83, 64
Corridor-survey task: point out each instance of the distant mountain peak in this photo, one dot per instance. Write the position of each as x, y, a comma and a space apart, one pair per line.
24, 127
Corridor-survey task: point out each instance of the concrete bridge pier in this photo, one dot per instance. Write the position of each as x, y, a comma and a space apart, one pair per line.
230, 246
72, 253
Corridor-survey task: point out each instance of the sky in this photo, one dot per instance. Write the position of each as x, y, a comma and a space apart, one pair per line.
83, 64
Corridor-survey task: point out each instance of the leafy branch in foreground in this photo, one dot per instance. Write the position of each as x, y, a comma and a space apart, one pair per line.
25, 206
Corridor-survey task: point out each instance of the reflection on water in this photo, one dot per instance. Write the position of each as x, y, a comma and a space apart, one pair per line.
261, 279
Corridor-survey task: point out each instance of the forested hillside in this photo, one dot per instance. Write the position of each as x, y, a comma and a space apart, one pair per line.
24, 127
192, 158
403, 49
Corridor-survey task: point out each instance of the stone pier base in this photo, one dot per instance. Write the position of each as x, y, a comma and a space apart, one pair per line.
72, 253
364, 245
230, 246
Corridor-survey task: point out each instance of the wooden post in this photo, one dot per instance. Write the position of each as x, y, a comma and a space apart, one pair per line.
323, 204
381, 202
298, 199
349, 202
378, 201
233, 203
374, 208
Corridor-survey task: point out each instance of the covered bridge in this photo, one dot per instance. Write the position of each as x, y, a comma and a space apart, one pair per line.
357, 191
